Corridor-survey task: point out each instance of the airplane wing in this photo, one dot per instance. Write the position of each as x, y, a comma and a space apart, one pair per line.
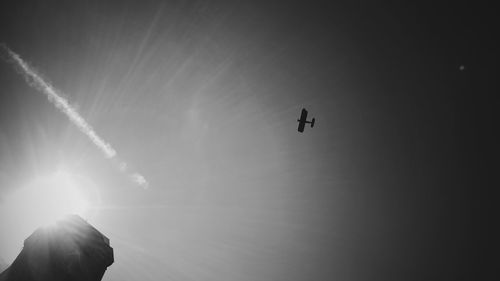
302, 120
301, 126
303, 115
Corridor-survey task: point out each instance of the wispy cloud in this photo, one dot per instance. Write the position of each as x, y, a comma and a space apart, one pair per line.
37, 82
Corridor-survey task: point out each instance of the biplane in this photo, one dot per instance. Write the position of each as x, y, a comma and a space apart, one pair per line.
303, 121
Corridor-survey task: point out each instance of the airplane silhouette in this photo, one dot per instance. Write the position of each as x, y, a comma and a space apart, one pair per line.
303, 120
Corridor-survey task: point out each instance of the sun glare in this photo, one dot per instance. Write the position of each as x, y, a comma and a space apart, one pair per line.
41, 202
46, 200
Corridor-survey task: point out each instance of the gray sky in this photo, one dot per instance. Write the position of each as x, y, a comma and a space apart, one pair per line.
202, 98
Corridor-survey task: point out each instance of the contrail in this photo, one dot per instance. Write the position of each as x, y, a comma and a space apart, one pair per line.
37, 82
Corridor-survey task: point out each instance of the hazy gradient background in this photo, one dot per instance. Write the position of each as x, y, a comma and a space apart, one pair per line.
202, 98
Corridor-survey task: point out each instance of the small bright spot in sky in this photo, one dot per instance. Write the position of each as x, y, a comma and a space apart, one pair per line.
462, 67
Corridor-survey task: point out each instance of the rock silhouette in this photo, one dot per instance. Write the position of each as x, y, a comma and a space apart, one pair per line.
71, 249
3, 265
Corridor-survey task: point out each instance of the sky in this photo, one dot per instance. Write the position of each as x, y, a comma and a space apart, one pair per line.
202, 99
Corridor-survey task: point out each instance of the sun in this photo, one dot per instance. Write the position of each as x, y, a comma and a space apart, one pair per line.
41, 202
47, 199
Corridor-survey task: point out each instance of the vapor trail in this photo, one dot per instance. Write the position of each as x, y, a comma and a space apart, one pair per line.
36, 81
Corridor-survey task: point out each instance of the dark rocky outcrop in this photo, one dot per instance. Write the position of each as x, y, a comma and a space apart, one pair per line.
70, 250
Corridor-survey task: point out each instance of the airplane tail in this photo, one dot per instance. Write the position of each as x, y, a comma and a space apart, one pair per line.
312, 123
